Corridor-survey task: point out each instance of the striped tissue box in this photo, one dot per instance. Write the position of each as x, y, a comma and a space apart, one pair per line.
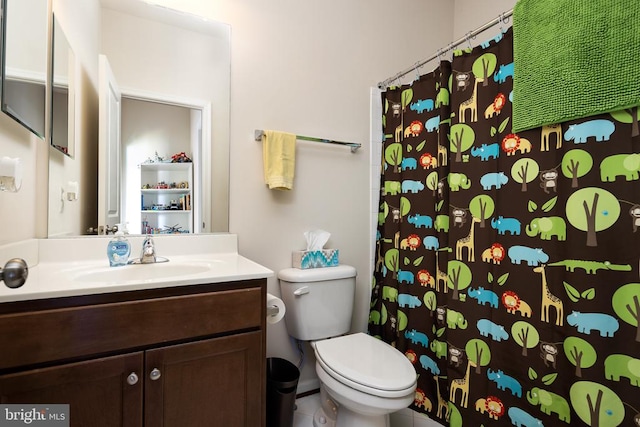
315, 259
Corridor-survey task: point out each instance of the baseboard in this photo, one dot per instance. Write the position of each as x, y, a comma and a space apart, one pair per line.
308, 387
308, 393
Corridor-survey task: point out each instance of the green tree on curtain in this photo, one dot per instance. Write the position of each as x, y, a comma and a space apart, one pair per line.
533, 319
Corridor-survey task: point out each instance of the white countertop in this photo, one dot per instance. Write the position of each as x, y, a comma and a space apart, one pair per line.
79, 266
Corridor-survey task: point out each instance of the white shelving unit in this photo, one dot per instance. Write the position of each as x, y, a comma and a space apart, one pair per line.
166, 197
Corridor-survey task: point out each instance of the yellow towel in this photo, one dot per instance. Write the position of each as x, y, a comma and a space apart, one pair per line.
279, 155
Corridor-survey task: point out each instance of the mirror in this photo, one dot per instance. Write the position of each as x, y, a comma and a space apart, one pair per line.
152, 62
62, 92
25, 25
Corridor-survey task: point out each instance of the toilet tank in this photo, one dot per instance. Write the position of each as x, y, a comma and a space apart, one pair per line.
318, 301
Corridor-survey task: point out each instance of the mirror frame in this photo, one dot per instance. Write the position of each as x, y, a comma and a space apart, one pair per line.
65, 85
16, 113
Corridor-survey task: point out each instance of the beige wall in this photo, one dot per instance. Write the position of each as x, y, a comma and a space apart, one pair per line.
18, 210
471, 14
307, 68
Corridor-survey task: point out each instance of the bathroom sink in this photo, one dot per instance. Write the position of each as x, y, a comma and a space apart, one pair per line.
142, 272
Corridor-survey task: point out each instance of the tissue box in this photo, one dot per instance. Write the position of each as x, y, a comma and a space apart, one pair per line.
315, 259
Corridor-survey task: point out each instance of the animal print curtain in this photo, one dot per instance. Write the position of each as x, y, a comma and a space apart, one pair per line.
507, 264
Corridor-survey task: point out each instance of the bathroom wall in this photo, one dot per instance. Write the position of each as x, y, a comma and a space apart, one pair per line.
17, 210
307, 68
315, 80
471, 14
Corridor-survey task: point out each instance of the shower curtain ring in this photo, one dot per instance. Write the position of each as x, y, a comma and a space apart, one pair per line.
504, 20
417, 69
469, 40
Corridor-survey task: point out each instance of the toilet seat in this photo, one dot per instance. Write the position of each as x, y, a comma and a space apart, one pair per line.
367, 364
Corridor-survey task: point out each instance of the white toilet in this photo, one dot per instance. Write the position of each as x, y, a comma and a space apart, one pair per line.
365, 378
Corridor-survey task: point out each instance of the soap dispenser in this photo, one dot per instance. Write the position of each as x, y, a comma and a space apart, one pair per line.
119, 248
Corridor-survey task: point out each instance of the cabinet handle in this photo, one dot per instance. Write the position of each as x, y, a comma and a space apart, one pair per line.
155, 374
132, 379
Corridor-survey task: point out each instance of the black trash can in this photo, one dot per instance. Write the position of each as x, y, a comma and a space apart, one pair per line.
282, 383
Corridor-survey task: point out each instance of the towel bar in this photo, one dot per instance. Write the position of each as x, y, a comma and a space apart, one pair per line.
353, 145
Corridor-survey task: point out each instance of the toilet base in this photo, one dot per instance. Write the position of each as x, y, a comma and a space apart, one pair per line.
332, 414
326, 415
320, 419
349, 418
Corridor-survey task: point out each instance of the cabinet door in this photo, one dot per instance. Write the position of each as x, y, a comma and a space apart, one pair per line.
97, 391
214, 382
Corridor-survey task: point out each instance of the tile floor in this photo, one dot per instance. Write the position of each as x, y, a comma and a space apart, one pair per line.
307, 406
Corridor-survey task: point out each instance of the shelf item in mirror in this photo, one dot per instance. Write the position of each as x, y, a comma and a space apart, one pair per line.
176, 158
166, 197
180, 158
183, 203
146, 228
184, 185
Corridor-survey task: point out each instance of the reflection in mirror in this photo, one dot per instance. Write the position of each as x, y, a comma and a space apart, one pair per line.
161, 193
63, 93
24, 62
169, 59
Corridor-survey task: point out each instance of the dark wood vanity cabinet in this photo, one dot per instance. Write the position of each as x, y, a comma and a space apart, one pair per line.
187, 356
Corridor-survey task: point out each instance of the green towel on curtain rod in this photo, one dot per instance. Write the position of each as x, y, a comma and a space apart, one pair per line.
574, 59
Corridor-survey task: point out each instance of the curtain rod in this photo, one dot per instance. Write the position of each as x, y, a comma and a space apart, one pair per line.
353, 145
503, 18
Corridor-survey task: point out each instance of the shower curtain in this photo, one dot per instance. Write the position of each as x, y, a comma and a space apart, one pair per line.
507, 267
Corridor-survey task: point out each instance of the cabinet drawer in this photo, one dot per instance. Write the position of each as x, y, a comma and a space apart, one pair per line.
51, 335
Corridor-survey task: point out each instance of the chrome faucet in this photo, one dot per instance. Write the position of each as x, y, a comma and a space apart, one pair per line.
148, 255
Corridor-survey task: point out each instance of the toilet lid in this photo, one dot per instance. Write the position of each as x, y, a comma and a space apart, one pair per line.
367, 361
